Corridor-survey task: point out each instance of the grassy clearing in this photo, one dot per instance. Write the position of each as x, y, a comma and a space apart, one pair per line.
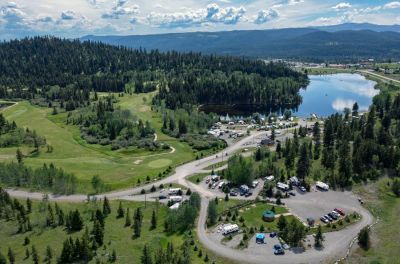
116, 236
197, 178
382, 203
252, 215
320, 71
119, 169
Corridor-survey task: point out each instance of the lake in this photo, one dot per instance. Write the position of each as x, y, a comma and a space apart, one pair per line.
329, 94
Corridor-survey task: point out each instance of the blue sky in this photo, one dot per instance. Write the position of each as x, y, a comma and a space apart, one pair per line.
74, 18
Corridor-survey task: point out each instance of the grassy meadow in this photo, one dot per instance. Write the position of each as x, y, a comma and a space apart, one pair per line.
118, 169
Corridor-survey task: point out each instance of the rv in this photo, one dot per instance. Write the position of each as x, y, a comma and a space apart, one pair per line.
175, 206
322, 186
175, 199
174, 191
229, 228
282, 186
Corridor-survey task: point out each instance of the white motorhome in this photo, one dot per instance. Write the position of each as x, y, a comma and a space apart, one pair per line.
175, 199
322, 186
175, 206
173, 191
229, 228
282, 186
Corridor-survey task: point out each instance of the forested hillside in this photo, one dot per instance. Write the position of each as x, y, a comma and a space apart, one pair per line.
312, 44
66, 71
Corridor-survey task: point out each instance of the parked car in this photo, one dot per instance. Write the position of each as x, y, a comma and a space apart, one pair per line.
323, 219
292, 193
340, 211
233, 193
336, 214
278, 250
333, 216
302, 189
329, 218
248, 194
162, 196
272, 235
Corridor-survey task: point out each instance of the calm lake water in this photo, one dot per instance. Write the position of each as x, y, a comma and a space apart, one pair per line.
329, 94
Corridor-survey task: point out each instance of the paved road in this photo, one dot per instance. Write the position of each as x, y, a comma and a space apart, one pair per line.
380, 76
336, 242
179, 176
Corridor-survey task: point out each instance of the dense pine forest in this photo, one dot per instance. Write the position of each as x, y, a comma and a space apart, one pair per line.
64, 70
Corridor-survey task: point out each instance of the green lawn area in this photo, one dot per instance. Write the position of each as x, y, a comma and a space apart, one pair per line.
319, 71
116, 236
118, 169
385, 235
252, 214
193, 178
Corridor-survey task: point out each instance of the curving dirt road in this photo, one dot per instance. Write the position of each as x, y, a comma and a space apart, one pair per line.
336, 243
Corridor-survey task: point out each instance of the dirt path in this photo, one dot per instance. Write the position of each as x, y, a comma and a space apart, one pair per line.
336, 243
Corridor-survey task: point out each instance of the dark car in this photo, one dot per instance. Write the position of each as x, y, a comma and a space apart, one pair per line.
233, 193
162, 196
272, 235
302, 189
324, 219
248, 194
292, 193
333, 216
278, 250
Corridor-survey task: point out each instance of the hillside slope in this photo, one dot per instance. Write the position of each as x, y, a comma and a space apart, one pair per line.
302, 43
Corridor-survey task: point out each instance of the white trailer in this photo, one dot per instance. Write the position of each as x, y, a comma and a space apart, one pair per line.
173, 191
175, 199
282, 186
229, 228
322, 186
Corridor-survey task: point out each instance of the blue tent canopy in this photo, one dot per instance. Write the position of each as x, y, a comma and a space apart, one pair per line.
260, 236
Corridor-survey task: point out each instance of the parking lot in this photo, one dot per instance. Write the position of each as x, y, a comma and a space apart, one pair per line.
215, 188
317, 203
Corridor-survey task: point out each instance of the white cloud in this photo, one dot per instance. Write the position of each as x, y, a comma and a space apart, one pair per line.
392, 5
266, 16
211, 14
120, 10
68, 15
295, 2
342, 6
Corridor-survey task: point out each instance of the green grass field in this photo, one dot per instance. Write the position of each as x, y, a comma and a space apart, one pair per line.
116, 236
118, 169
385, 236
252, 214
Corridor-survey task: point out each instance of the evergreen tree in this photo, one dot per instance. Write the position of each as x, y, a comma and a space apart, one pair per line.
35, 255
106, 206
319, 237
27, 253
304, 163
127, 218
20, 156
11, 256
120, 211
29, 205
363, 238
146, 256
153, 220
3, 259
212, 213
49, 255
345, 164
98, 232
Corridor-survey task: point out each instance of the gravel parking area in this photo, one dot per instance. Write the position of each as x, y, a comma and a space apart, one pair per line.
318, 203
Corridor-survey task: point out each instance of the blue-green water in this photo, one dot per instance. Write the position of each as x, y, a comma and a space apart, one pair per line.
329, 94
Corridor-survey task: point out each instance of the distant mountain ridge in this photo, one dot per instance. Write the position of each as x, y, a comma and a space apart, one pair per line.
346, 42
360, 26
